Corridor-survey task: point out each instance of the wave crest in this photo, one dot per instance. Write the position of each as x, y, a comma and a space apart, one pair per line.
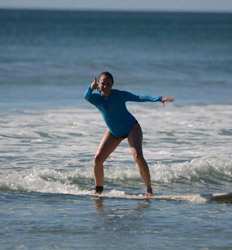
204, 171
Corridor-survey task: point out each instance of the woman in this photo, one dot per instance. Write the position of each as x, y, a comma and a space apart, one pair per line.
121, 124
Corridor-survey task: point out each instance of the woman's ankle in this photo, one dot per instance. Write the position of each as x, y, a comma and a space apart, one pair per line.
149, 190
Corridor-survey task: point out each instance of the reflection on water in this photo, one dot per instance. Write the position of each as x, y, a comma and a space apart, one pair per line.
100, 207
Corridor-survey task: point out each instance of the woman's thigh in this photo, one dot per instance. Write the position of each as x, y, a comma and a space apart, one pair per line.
135, 139
107, 145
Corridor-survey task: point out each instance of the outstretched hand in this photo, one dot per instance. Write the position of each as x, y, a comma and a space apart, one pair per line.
166, 99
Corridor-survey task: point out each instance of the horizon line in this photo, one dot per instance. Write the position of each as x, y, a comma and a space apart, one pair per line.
118, 10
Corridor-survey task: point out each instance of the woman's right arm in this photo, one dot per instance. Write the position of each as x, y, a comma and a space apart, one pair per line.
91, 97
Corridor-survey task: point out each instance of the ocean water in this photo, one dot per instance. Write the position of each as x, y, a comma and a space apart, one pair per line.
49, 133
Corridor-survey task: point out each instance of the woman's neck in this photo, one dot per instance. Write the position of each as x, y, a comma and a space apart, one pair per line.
106, 94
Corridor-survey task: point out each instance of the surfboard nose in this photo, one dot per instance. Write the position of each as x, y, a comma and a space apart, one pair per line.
220, 197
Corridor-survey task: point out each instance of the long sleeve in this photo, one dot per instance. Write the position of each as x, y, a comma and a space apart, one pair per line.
91, 97
137, 98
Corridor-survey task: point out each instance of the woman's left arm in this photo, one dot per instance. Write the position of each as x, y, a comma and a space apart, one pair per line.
128, 96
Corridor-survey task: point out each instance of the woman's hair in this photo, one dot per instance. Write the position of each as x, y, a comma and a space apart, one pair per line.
107, 74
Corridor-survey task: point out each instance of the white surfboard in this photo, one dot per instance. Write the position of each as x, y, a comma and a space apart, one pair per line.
196, 198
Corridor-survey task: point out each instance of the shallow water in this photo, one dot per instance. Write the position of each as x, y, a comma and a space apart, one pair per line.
45, 221
47, 160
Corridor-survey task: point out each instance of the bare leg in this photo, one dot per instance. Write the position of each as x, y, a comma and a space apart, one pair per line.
107, 145
135, 139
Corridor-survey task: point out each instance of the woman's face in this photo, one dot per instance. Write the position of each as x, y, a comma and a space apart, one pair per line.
105, 85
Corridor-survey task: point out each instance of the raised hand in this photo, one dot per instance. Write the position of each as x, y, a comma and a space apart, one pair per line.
94, 84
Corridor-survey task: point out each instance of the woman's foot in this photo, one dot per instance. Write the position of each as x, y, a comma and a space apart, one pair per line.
149, 193
98, 190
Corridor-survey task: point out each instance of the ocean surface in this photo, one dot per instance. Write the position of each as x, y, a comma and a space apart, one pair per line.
49, 133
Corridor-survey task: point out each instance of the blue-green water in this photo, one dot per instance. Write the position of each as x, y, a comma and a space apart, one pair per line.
42, 221
49, 134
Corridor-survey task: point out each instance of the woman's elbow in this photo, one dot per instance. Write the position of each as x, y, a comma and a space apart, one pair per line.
86, 95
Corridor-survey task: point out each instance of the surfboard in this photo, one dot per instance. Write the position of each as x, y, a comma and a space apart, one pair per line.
196, 198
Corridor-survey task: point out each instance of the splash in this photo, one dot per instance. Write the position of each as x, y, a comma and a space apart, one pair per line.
206, 171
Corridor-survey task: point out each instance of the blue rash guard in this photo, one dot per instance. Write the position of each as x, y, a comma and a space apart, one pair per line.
114, 111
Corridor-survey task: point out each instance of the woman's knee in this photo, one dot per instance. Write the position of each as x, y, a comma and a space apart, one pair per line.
98, 159
137, 155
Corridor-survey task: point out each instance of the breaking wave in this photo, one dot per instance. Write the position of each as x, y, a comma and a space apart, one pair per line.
204, 171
